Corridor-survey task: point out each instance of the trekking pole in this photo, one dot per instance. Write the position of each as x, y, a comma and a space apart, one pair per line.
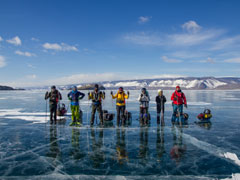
87, 108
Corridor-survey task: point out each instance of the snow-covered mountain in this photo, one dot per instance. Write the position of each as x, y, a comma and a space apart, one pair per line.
184, 83
191, 83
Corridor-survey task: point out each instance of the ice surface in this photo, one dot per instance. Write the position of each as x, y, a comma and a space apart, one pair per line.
31, 149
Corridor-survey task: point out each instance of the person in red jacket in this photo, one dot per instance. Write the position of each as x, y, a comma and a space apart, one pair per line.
179, 99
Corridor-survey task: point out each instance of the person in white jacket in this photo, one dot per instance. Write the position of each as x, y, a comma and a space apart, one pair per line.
144, 99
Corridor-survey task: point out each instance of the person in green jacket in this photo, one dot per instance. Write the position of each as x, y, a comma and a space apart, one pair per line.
74, 96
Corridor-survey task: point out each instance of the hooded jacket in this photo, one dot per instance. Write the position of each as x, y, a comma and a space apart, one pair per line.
178, 98
74, 97
120, 98
144, 100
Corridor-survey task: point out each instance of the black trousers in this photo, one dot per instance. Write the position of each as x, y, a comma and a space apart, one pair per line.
160, 110
121, 120
100, 113
53, 112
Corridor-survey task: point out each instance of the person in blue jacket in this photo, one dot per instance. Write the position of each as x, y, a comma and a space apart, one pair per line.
74, 96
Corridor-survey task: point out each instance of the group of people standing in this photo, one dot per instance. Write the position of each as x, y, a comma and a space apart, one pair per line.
97, 97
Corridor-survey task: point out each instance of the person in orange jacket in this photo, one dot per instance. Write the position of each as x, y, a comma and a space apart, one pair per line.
120, 97
179, 99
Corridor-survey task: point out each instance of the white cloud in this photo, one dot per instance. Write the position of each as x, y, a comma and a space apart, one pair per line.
143, 19
208, 60
2, 61
191, 26
187, 39
15, 41
226, 43
167, 60
170, 40
233, 60
28, 54
32, 76
1, 39
31, 66
145, 39
34, 39
59, 47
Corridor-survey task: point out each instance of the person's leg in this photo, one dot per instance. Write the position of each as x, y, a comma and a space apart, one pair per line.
123, 115
93, 114
100, 113
73, 118
118, 115
162, 117
55, 114
158, 114
145, 112
51, 114
77, 115
174, 113
141, 116
181, 114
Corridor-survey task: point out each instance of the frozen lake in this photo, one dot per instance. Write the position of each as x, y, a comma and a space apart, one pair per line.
32, 149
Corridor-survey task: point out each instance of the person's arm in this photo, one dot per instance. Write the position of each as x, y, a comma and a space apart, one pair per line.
90, 95
148, 97
184, 99
172, 97
103, 95
60, 95
164, 99
69, 96
126, 96
114, 96
81, 95
139, 97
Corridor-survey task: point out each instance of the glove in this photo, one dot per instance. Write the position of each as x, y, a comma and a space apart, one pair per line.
46, 94
89, 94
128, 93
103, 93
141, 95
111, 93
185, 105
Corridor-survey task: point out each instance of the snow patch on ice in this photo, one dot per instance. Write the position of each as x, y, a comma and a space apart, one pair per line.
233, 157
234, 177
35, 117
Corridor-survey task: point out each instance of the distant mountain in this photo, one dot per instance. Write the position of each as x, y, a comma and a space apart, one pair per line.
7, 88
191, 83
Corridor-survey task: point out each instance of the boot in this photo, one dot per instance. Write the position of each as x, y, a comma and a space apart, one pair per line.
72, 123
92, 120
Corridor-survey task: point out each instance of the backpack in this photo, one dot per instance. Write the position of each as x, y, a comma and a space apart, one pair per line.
108, 116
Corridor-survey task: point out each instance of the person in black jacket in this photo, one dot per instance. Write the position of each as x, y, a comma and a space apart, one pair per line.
160, 101
54, 96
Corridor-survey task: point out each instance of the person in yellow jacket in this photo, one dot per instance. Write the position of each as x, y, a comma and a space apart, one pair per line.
120, 97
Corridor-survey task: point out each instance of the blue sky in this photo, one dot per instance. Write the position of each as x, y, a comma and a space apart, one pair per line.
63, 42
